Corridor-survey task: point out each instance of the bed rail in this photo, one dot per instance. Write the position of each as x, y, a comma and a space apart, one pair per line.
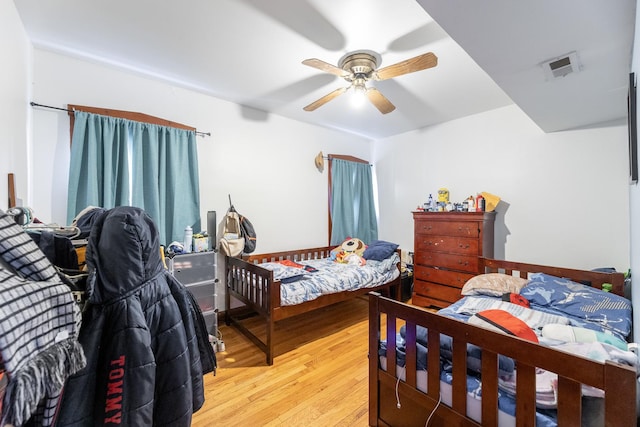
412, 407
520, 269
259, 294
294, 255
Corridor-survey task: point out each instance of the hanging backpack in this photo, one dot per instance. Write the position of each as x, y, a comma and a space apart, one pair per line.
249, 235
232, 242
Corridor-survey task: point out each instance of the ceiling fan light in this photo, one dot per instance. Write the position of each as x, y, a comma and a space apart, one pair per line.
359, 67
359, 97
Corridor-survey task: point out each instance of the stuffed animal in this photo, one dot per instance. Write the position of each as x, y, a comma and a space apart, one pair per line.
353, 245
354, 259
350, 252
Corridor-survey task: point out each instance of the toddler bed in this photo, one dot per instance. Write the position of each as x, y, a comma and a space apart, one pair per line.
275, 286
443, 367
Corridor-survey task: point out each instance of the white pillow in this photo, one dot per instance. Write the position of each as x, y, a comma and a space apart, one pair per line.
493, 284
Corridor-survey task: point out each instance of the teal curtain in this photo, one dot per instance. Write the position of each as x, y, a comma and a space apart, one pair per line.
119, 162
353, 212
165, 178
98, 170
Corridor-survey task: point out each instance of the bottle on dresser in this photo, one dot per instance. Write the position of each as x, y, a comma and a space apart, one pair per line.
471, 205
480, 203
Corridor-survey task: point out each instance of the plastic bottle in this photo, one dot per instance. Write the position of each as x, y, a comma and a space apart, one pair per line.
430, 204
480, 203
188, 239
472, 204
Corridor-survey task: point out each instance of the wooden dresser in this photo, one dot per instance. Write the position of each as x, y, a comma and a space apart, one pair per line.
446, 250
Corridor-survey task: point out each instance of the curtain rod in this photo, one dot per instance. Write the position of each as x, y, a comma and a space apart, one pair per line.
346, 158
34, 104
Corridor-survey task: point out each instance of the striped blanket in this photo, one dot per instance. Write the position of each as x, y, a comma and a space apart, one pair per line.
39, 324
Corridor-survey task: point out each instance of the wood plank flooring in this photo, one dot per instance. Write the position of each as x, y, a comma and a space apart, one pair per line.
319, 376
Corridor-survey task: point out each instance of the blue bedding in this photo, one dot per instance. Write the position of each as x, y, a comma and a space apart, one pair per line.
506, 401
553, 301
586, 307
330, 277
571, 303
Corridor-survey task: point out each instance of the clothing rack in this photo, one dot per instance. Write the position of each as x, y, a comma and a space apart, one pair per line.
69, 231
34, 104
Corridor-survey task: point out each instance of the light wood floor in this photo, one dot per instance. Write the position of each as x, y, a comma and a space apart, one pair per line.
319, 376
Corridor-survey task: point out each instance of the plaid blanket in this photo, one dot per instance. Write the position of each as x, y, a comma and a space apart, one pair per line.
39, 324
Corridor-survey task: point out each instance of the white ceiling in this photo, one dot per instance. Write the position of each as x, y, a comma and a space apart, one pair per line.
250, 52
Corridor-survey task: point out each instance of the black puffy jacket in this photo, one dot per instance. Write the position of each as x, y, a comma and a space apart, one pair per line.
143, 335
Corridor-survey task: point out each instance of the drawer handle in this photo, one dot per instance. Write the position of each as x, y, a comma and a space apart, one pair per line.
461, 262
463, 246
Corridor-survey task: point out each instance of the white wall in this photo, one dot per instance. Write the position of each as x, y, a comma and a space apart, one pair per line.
265, 162
14, 105
564, 195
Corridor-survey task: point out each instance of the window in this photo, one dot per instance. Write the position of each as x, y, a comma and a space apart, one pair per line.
352, 210
117, 159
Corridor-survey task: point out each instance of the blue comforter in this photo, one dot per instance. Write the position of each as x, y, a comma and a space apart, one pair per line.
299, 284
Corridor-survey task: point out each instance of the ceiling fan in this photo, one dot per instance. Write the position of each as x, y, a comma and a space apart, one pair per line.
359, 67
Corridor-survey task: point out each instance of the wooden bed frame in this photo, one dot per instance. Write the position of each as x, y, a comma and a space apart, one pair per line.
259, 293
617, 381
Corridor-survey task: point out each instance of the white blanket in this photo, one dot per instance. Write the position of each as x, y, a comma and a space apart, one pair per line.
535, 319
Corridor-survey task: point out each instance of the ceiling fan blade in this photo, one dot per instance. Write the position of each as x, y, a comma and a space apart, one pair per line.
320, 102
325, 66
380, 101
418, 63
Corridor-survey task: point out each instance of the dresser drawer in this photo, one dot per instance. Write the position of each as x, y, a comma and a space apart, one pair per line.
449, 261
447, 247
434, 290
447, 277
448, 228
428, 302
458, 245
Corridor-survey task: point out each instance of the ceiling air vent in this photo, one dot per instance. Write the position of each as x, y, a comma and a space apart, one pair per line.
561, 66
